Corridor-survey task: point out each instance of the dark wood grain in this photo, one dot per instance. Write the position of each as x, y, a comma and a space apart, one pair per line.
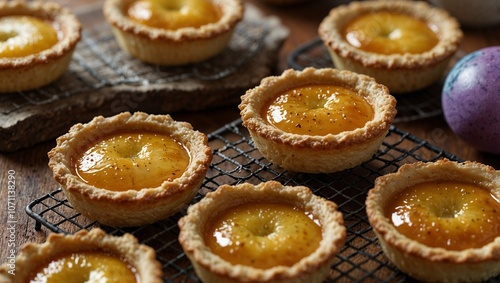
34, 179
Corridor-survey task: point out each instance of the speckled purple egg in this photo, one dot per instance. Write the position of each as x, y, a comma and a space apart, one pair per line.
471, 99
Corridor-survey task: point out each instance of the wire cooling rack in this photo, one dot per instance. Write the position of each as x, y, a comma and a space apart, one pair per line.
98, 62
411, 106
236, 160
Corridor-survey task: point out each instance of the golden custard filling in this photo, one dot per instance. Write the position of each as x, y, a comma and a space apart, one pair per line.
132, 161
448, 214
89, 266
25, 35
174, 14
263, 235
388, 33
318, 110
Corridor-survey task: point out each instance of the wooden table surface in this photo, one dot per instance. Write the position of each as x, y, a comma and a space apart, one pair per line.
34, 179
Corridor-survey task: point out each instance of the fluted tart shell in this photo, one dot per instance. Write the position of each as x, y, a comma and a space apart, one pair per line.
33, 256
318, 153
130, 207
212, 268
401, 73
173, 47
42, 68
434, 264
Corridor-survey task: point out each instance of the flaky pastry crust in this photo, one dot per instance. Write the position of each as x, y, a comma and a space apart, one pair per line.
39, 69
212, 268
425, 263
32, 256
318, 154
401, 73
173, 47
129, 208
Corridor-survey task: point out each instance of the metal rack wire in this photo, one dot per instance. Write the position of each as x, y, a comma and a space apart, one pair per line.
236, 160
98, 62
414, 106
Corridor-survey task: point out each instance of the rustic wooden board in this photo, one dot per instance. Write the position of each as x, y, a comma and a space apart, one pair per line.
103, 80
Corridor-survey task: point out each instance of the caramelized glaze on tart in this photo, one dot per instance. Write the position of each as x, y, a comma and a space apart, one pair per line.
447, 214
86, 256
318, 120
404, 45
318, 110
88, 266
390, 33
452, 209
122, 161
262, 233
156, 165
25, 35
174, 14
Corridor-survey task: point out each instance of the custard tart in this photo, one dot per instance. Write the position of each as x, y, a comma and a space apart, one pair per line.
404, 45
439, 221
130, 170
318, 120
262, 233
85, 257
173, 32
37, 40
